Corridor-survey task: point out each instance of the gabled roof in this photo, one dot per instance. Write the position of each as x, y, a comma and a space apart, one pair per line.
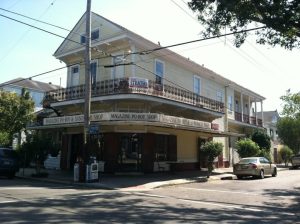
179, 59
30, 84
268, 115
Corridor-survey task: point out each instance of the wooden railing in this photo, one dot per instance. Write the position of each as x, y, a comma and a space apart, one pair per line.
121, 86
247, 119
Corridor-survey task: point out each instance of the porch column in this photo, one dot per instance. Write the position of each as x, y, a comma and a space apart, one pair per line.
262, 112
133, 67
255, 113
242, 107
249, 109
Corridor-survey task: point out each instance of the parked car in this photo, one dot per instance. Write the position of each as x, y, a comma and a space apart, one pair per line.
255, 167
295, 161
8, 162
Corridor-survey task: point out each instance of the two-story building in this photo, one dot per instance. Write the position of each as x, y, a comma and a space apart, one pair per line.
151, 108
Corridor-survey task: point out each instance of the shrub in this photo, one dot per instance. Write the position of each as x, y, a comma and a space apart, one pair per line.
247, 148
286, 154
210, 150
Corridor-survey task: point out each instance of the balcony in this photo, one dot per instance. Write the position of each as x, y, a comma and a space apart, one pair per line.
247, 119
141, 87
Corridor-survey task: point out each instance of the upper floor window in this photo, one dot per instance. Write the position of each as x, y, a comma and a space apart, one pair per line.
95, 34
230, 103
159, 71
94, 72
197, 85
219, 96
74, 75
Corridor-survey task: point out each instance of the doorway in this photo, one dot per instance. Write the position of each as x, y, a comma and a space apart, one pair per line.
130, 153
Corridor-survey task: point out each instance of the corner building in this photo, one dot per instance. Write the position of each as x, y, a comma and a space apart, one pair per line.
150, 109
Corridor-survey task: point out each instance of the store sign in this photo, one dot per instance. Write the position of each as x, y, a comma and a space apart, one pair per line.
138, 83
124, 116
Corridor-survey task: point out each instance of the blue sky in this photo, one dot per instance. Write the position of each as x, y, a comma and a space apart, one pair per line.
26, 51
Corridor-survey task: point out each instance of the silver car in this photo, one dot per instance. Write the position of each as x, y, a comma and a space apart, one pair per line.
255, 167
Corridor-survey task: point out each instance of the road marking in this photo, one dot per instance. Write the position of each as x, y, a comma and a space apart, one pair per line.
199, 202
10, 201
221, 191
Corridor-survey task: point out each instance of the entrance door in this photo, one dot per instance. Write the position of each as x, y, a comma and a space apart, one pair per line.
130, 153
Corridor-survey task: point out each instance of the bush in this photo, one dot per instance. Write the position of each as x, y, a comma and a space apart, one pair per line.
262, 140
247, 148
286, 154
210, 150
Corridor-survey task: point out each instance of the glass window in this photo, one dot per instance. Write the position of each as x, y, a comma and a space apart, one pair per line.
230, 103
219, 96
161, 147
74, 76
159, 71
94, 72
95, 35
197, 85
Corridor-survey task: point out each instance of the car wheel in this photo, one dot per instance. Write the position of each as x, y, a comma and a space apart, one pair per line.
239, 177
274, 174
261, 174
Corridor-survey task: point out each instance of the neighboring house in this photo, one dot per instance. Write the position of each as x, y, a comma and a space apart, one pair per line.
150, 110
270, 121
36, 90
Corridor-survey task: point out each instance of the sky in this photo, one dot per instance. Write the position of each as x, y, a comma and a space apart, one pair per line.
25, 51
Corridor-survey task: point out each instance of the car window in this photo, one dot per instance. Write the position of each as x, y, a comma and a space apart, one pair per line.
247, 161
266, 161
7, 153
261, 160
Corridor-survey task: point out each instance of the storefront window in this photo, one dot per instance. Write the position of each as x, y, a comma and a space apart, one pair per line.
161, 147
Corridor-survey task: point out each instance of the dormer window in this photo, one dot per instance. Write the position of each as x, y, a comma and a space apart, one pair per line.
94, 36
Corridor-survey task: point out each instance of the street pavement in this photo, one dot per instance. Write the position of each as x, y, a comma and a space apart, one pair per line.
134, 182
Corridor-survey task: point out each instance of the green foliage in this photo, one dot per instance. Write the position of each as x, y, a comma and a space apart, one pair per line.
36, 148
280, 19
262, 140
15, 112
211, 150
264, 143
288, 127
291, 107
286, 154
247, 148
4, 139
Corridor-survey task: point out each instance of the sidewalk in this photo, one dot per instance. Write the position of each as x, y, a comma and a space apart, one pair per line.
142, 182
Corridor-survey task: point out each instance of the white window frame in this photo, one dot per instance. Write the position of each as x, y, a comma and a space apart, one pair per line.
163, 71
71, 80
117, 69
230, 103
219, 96
198, 78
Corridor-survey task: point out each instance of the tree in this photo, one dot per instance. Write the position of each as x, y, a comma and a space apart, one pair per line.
4, 139
286, 154
288, 126
247, 148
288, 130
210, 150
15, 112
291, 107
264, 143
36, 149
279, 18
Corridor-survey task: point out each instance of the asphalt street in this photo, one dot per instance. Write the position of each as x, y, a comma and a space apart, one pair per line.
270, 200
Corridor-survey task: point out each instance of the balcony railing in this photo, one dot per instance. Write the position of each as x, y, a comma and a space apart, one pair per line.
247, 119
122, 86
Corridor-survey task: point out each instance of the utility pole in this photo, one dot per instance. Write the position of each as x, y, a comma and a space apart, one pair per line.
87, 104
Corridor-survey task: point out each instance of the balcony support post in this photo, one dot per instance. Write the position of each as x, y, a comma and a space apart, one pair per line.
242, 107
